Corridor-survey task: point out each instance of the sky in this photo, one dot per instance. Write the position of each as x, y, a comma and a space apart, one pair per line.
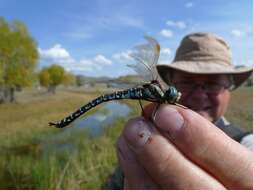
95, 37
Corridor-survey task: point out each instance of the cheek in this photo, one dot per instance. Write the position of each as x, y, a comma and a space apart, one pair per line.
183, 99
220, 104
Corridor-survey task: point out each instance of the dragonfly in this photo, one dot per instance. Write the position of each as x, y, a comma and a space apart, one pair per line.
146, 58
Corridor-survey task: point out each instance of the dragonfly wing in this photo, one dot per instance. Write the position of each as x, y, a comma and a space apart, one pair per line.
146, 57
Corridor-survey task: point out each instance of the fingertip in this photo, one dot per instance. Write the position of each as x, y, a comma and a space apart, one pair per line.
148, 110
137, 133
169, 119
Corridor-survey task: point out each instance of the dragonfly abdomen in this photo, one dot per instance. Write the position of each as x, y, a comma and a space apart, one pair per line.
133, 93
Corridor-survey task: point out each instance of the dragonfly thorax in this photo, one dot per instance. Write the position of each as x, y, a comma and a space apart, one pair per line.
171, 95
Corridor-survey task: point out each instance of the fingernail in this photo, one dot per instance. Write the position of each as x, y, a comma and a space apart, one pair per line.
138, 134
170, 120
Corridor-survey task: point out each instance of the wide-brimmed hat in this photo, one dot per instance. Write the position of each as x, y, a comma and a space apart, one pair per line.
204, 53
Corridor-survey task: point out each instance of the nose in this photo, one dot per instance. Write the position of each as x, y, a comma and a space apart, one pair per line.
196, 98
198, 94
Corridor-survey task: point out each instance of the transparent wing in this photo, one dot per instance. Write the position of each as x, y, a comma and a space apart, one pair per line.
146, 57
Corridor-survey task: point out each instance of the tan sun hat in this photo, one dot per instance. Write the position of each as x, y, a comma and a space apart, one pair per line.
204, 53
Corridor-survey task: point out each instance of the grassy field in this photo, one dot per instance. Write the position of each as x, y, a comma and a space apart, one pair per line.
24, 164
24, 126
240, 111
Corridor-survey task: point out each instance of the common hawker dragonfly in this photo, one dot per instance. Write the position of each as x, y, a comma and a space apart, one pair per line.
146, 57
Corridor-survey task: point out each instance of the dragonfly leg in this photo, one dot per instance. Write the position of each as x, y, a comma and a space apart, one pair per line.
180, 105
141, 106
153, 115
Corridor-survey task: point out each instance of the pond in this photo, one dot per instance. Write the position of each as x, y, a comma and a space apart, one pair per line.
94, 124
103, 117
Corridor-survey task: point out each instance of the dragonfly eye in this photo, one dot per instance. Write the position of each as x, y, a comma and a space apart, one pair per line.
171, 95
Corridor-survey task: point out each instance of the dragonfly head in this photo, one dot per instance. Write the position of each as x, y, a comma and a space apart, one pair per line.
171, 95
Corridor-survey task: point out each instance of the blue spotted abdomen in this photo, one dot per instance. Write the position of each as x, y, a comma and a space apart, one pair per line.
133, 93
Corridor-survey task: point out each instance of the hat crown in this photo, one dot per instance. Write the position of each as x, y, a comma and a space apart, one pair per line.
204, 53
205, 47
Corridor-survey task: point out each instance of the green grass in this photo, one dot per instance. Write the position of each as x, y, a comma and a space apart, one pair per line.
240, 111
24, 163
24, 126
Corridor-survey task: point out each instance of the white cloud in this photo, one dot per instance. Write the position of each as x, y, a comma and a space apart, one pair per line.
189, 4
123, 56
166, 51
86, 62
102, 60
57, 54
178, 24
90, 64
237, 33
165, 57
166, 33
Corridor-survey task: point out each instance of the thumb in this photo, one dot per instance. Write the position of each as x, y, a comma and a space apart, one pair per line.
207, 146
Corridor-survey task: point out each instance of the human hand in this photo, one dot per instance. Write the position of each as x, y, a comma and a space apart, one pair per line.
182, 151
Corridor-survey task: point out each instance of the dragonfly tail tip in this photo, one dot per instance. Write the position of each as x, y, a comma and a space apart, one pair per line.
52, 124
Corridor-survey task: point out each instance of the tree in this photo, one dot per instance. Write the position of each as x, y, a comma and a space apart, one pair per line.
51, 77
44, 78
79, 80
18, 58
69, 79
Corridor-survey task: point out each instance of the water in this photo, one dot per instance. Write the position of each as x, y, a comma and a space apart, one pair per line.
103, 117
94, 123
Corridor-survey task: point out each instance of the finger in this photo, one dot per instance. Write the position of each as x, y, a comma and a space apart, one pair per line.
163, 162
136, 178
149, 109
208, 146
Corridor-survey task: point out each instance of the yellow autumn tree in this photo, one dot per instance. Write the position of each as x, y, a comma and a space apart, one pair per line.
18, 58
51, 77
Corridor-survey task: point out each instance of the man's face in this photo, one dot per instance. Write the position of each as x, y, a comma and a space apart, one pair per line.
206, 94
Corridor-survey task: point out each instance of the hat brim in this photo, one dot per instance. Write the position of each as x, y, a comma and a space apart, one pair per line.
241, 74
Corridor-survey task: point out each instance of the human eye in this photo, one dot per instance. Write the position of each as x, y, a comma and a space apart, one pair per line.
212, 86
184, 85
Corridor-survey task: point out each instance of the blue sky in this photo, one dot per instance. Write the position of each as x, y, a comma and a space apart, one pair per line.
94, 37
